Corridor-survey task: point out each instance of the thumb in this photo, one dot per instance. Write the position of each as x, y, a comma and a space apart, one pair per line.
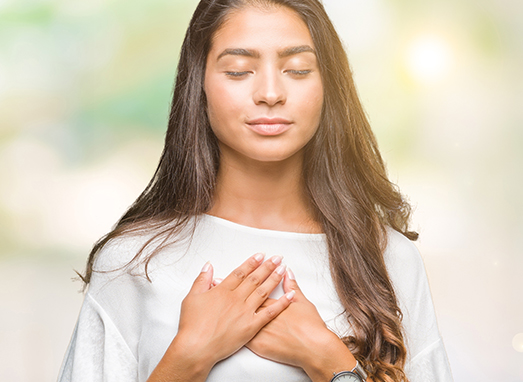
290, 284
204, 280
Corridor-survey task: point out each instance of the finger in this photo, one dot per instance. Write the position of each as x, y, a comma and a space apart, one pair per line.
258, 277
236, 277
258, 296
269, 313
266, 303
290, 284
204, 280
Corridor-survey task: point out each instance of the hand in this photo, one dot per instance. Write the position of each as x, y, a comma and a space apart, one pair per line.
299, 337
217, 320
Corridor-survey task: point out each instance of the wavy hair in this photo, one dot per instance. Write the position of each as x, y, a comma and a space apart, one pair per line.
345, 178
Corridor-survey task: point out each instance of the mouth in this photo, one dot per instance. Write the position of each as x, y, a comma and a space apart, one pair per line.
269, 126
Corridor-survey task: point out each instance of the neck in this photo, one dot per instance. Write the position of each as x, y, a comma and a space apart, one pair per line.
264, 195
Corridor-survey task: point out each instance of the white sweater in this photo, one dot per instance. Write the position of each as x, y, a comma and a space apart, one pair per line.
126, 322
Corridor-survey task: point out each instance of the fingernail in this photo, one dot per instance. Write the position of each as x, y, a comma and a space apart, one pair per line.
217, 281
281, 269
276, 260
290, 274
290, 295
206, 267
259, 256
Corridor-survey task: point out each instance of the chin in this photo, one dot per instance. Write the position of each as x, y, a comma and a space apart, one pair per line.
274, 157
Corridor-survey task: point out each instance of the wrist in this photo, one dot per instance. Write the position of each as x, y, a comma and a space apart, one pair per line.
333, 358
194, 349
186, 360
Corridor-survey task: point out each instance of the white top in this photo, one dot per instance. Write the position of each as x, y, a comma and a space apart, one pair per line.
126, 322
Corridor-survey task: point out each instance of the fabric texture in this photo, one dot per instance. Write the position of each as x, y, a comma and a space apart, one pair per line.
126, 322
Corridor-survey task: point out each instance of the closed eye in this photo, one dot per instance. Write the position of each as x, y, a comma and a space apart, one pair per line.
298, 72
236, 74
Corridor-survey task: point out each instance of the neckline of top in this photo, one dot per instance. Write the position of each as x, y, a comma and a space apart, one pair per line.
262, 231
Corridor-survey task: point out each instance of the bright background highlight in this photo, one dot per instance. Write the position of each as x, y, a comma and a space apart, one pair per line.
428, 59
84, 93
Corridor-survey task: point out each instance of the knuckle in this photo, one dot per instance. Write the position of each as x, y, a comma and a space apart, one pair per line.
200, 279
270, 312
254, 280
185, 302
262, 293
239, 274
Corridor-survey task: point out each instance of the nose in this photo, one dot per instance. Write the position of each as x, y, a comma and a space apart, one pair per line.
269, 88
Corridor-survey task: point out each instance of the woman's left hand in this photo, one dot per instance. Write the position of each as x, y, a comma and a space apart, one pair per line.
299, 337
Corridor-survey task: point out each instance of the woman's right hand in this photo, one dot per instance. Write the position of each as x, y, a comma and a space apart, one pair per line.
216, 321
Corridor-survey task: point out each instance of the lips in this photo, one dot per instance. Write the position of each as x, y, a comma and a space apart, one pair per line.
269, 126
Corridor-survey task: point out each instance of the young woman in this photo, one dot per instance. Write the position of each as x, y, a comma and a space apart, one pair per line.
268, 153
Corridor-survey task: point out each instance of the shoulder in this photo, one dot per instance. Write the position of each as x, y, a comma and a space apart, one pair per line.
135, 248
137, 258
406, 270
122, 261
409, 278
120, 251
401, 255
115, 271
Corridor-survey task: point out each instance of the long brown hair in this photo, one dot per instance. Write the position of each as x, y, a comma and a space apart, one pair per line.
344, 174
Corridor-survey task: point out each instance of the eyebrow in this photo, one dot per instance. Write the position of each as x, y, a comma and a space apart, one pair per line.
296, 50
255, 54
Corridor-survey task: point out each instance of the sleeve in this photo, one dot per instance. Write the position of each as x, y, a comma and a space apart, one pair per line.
426, 359
97, 351
431, 365
105, 341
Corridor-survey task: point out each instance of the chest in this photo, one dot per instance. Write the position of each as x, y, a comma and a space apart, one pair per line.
174, 273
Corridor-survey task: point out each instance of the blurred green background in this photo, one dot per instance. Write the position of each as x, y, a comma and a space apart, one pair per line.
85, 88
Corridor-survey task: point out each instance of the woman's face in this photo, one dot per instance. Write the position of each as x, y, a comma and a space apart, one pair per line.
263, 85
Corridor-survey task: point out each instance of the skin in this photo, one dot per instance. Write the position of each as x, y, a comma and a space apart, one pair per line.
216, 321
261, 64
259, 182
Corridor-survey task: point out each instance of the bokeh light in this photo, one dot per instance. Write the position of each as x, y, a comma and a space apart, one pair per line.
85, 88
429, 58
517, 342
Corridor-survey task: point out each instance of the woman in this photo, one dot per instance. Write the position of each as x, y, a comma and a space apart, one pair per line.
267, 150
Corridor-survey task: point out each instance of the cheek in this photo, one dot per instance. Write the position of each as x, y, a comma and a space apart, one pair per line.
312, 109
312, 102
222, 104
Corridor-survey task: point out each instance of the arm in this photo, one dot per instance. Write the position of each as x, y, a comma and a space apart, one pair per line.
309, 344
216, 321
97, 351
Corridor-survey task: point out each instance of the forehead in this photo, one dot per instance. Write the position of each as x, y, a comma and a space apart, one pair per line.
267, 29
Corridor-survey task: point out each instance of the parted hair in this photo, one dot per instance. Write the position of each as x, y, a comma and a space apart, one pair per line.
345, 179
